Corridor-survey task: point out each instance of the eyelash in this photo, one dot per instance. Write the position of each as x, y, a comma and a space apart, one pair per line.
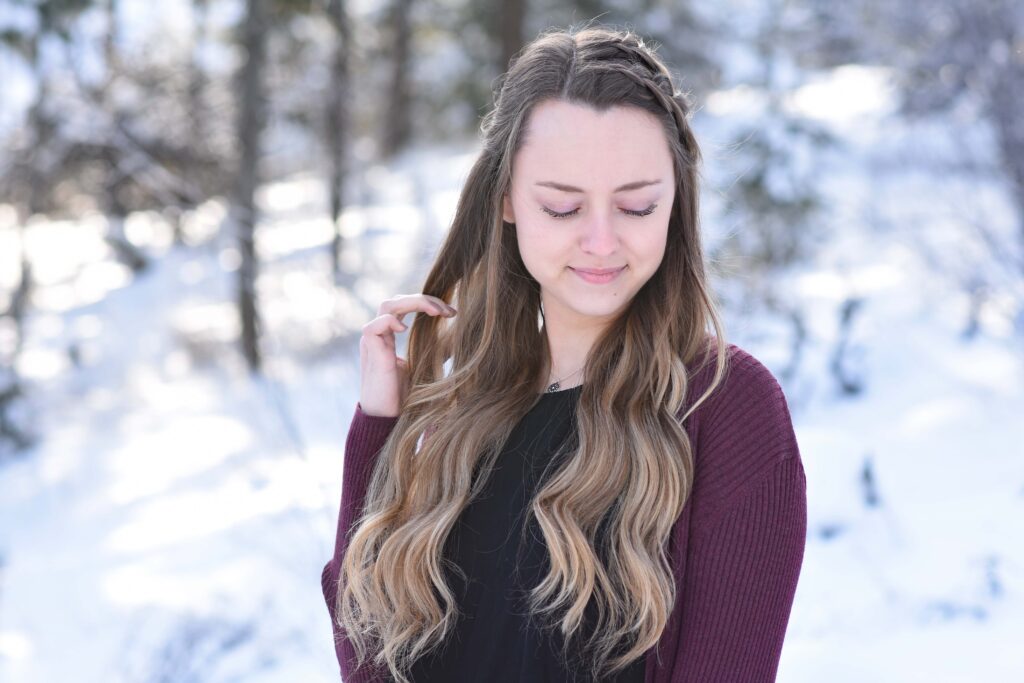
646, 212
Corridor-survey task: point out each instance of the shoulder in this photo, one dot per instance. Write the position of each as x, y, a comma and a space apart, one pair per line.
743, 432
747, 384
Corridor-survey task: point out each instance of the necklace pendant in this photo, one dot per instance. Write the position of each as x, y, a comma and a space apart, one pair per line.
553, 387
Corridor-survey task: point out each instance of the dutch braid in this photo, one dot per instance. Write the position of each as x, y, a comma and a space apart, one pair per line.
626, 54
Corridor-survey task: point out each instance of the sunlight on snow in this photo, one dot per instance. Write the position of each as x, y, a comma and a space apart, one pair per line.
297, 193
740, 98
150, 583
204, 222
151, 462
42, 364
220, 318
10, 249
834, 285
844, 95
90, 285
934, 414
70, 264
282, 238
59, 248
15, 645
49, 358
201, 512
148, 228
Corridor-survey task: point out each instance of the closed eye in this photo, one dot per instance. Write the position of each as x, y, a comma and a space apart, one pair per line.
645, 212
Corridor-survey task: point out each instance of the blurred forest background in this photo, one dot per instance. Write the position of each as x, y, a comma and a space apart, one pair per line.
202, 202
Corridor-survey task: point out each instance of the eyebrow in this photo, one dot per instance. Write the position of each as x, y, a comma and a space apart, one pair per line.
635, 185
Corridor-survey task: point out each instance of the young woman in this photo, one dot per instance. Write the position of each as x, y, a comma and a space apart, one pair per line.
597, 488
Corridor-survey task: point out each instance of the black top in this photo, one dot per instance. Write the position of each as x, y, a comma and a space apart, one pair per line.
495, 639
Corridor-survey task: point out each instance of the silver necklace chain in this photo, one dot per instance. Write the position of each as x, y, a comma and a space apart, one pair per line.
553, 387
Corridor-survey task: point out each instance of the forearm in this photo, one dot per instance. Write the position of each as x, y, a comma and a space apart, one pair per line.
740, 583
366, 437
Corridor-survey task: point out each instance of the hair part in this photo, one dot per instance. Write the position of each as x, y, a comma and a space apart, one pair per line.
607, 510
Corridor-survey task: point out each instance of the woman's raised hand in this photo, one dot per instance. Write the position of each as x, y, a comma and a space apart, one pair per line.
384, 377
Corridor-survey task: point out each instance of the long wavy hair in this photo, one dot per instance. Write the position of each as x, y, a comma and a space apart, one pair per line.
607, 511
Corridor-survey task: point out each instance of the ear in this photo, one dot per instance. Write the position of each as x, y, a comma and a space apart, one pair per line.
507, 214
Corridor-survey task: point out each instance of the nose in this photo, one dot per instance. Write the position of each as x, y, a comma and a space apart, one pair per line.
599, 237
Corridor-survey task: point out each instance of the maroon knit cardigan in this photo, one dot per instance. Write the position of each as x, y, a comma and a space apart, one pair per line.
736, 548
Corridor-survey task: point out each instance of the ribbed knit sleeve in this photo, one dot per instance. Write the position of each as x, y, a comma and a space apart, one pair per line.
366, 437
748, 532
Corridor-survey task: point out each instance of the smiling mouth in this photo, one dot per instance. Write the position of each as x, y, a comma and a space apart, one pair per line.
598, 277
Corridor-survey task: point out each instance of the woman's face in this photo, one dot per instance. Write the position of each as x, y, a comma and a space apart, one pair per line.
590, 191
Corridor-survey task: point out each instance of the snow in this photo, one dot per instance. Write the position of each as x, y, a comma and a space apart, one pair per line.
172, 522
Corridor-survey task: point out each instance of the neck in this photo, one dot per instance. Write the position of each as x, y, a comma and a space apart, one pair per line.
568, 346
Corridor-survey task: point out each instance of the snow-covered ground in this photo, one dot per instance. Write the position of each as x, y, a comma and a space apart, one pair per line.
172, 523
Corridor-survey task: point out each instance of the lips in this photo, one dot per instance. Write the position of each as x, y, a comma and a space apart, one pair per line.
598, 271
598, 276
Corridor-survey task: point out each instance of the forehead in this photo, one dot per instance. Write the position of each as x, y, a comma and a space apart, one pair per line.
569, 141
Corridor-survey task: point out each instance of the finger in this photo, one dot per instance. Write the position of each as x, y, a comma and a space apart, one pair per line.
402, 304
445, 306
384, 324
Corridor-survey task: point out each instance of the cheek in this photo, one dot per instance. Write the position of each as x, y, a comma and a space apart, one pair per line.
540, 248
654, 245
530, 249
645, 242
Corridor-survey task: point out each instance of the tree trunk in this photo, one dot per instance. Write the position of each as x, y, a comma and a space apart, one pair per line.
114, 206
250, 129
398, 119
338, 125
1010, 139
513, 15
197, 73
196, 97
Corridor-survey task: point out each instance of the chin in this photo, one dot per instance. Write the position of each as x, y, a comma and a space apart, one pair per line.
590, 300
601, 307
